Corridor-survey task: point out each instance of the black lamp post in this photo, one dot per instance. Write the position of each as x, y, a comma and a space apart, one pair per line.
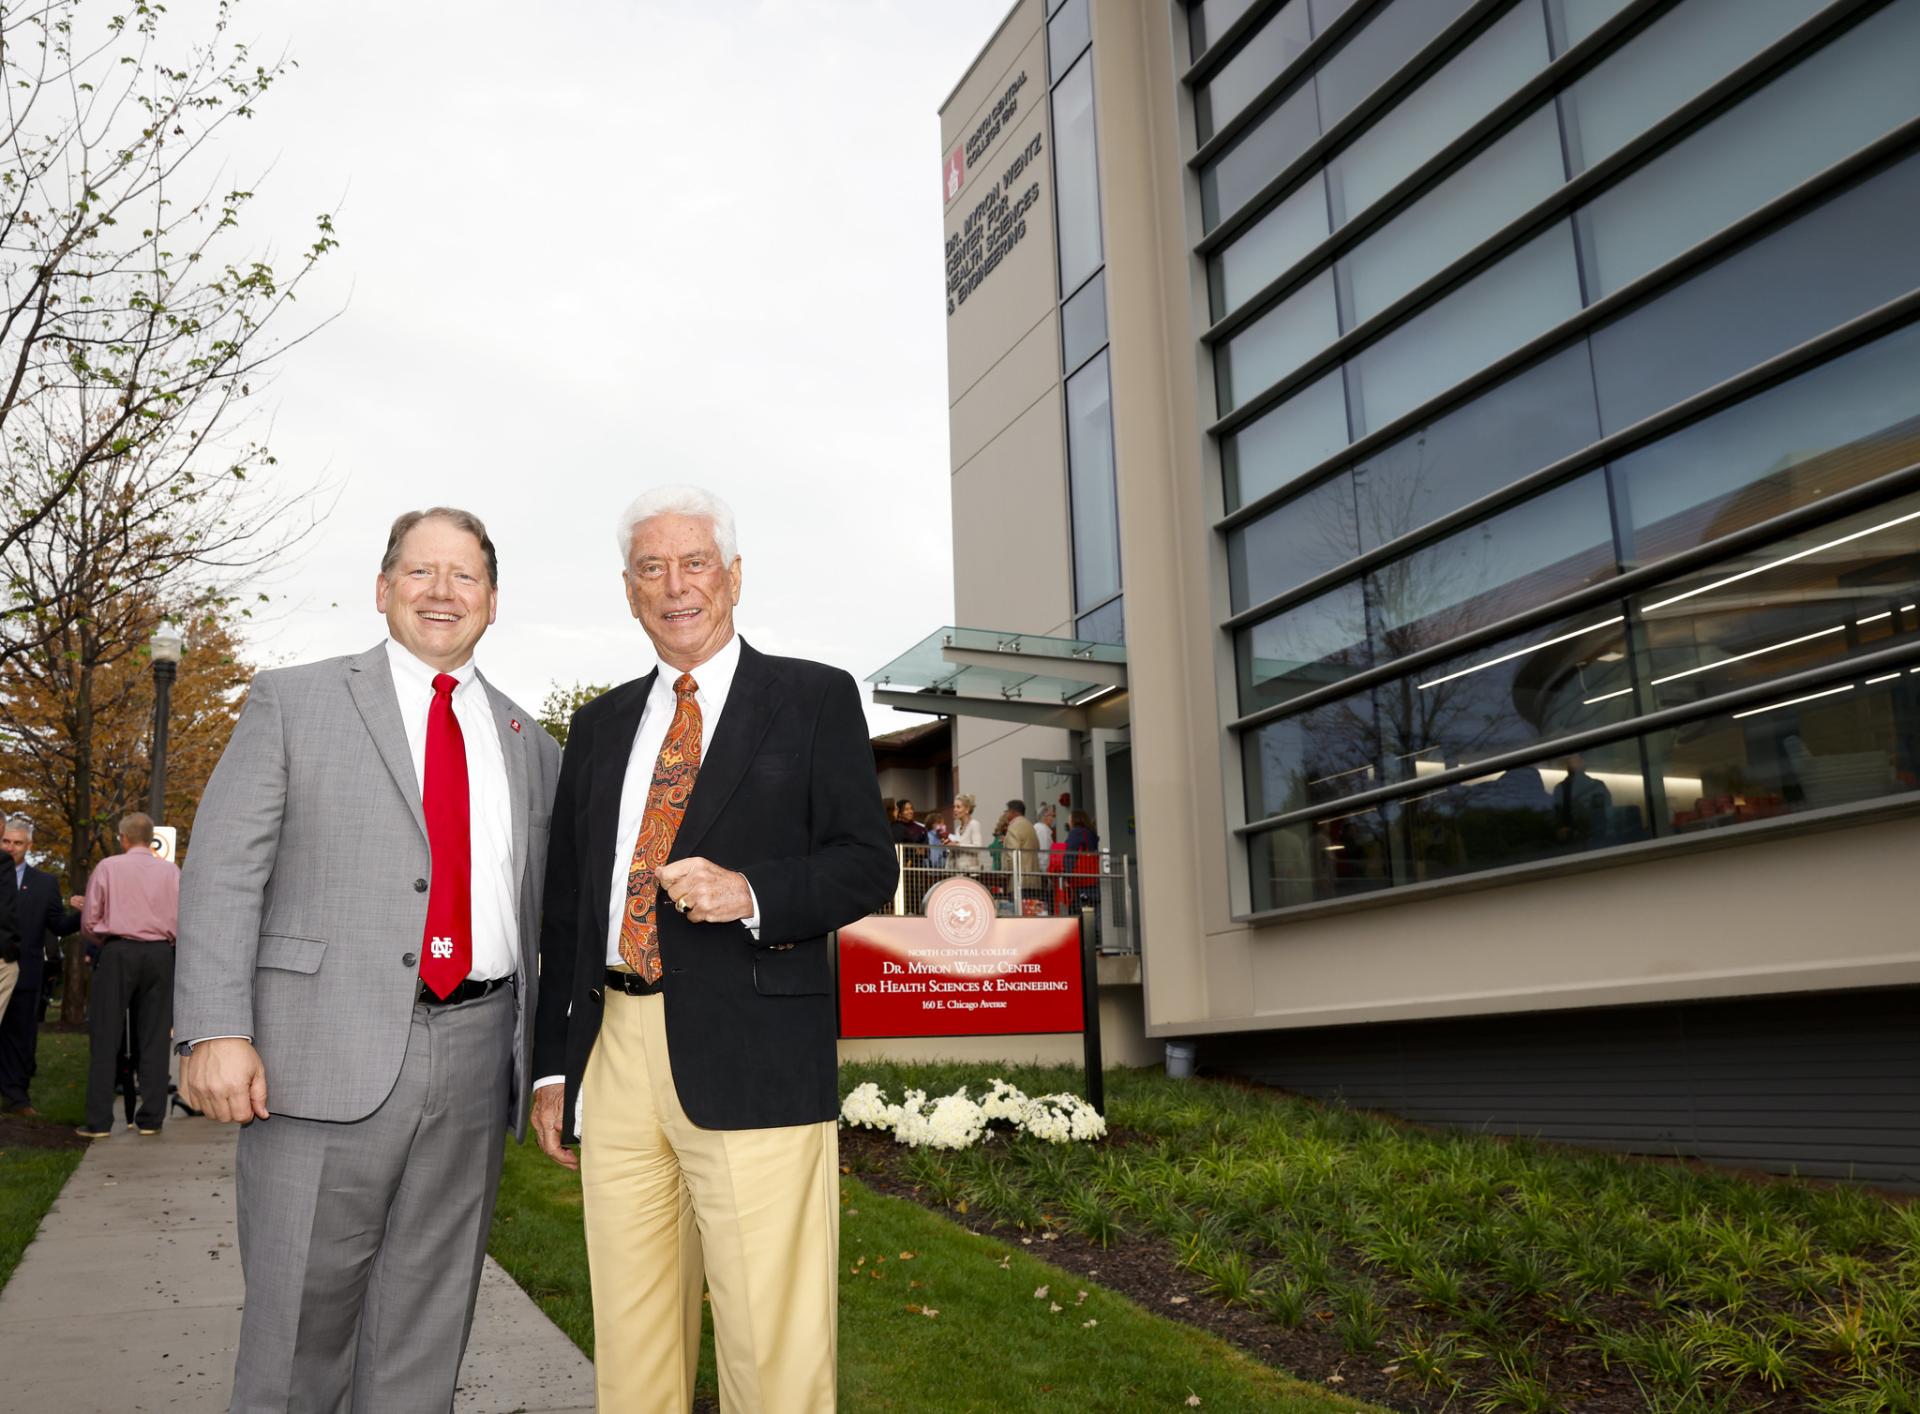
166, 647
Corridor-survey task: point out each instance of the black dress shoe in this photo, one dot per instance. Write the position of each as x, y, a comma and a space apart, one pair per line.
23, 1111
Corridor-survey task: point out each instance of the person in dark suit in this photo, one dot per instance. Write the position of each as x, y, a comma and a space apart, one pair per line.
715, 820
39, 914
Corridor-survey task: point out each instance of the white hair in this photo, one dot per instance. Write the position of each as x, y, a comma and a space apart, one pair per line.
22, 823
692, 501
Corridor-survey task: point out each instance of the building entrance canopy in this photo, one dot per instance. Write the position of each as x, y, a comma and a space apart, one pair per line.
1010, 677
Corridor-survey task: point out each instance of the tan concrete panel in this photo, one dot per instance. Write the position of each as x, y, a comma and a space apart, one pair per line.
1006, 391
1791, 913
989, 757
998, 242
1010, 536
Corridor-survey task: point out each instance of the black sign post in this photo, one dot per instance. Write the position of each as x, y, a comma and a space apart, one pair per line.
1090, 1013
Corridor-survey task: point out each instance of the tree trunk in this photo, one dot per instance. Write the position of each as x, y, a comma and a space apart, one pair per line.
78, 977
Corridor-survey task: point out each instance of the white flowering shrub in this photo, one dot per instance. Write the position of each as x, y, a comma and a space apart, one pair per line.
957, 1121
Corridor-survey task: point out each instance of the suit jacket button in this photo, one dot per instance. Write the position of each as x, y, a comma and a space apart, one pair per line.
419, 886
594, 992
408, 959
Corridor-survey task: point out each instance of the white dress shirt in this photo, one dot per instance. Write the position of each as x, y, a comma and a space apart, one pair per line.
496, 919
713, 679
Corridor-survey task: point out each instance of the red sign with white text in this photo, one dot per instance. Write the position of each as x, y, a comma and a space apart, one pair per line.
961, 971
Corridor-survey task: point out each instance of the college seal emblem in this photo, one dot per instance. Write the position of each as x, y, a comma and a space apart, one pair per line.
960, 909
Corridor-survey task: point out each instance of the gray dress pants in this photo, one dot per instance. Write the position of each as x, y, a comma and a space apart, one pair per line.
362, 1243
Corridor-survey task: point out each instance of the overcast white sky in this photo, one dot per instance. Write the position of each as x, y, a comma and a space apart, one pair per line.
591, 247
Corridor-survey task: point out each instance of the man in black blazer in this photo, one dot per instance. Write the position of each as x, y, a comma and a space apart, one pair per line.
38, 912
715, 820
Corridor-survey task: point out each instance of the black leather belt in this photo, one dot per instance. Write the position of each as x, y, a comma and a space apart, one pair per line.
632, 983
470, 990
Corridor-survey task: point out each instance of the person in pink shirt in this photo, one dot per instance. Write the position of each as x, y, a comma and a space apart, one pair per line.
132, 907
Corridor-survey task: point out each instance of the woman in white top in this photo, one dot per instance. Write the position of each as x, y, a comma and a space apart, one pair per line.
968, 838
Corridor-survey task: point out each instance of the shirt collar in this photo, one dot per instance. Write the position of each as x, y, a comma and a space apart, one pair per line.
715, 676
411, 669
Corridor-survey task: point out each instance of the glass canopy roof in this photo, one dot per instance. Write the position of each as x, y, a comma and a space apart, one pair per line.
1032, 667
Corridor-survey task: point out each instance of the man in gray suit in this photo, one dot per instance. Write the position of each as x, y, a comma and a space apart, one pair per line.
356, 984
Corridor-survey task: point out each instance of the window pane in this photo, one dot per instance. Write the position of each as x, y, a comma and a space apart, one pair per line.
1258, 155
1558, 678
1489, 316
1279, 445
1076, 176
1106, 624
1485, 194
1836, 426
1855, 741
1325, 12
1317, 755
1449, 102
1254, 65
1779, 137
1307, 647
1818, 597
1575, 20
1326, 859
1552, 544
1096, 528
1269, 247
1519, 425
1682, 53
1836, 262
1556, 806
1292, 543
1385, 40
1083, 323
1067, 36
1209, 19
1276, 343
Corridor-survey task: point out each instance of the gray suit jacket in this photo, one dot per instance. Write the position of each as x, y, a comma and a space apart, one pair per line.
304, 898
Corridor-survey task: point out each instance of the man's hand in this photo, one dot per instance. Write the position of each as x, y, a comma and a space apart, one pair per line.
224, 1080
548, 1105
713, 894
77, 902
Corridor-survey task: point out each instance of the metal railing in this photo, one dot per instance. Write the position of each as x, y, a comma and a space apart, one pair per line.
1032, 884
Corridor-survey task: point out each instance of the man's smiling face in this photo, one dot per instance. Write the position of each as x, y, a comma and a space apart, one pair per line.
679, 589
438, 600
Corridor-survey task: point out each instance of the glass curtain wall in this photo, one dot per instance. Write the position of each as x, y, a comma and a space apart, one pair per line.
1092, 504
1563, 520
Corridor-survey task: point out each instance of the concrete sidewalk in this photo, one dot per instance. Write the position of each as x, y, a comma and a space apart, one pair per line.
128, 1301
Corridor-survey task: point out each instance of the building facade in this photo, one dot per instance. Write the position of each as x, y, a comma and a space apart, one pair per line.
1441, 478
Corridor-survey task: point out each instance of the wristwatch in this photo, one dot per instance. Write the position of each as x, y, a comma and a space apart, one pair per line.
184, 1048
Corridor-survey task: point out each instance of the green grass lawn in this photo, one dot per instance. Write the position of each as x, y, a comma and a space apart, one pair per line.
992, 1346
30, 1178
1488, 1274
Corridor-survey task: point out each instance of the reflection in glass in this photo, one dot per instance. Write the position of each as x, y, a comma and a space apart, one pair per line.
1096, 525
1845, 587
1310, 645
1076, 176
1209, 19
1334, 858
1259, 154
1272, 245
1445, 105
1083, 323
1106, 624
1546, 546
1308, 536
1517, 426
1067, 36
1468, 328
1840, 424
1254, 65
1573, 21
1277, 446
1276, 343
1686, 50
1781, 136
1386, 39
1838, 261
1312, 757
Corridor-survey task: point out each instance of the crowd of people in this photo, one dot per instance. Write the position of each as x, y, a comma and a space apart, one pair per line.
1028, 864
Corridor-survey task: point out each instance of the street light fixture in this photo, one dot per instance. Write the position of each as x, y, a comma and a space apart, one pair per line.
165, 647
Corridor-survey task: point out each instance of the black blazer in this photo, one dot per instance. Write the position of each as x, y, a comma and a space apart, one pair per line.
38, 910
787, 795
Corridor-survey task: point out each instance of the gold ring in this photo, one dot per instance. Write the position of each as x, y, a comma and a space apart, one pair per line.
682, 904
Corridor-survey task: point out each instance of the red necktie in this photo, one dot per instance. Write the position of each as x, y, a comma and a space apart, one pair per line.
673, 776
446, 956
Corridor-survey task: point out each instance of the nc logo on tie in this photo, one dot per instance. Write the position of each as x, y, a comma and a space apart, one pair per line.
441, 947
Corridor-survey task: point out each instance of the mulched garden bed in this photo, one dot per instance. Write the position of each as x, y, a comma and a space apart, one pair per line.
21, 1132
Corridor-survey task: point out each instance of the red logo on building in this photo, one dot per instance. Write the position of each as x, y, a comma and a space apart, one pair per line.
953, 174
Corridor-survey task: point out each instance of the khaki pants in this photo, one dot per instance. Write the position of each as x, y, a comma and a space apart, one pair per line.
9, 979
759, 1209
